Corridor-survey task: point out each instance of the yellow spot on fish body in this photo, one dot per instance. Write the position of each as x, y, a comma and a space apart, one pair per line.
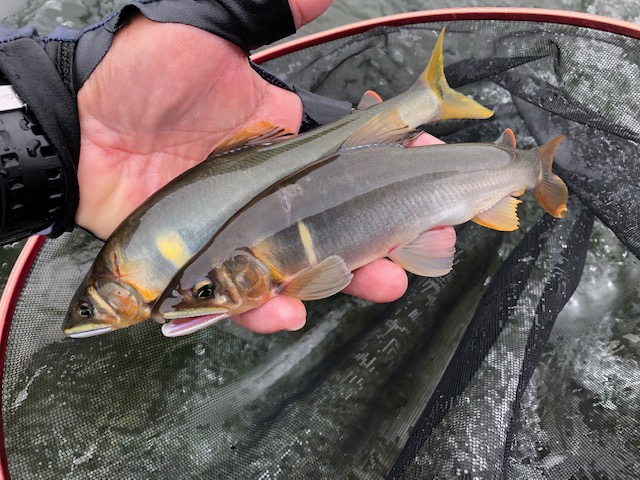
173, 248
307, 243
148, 294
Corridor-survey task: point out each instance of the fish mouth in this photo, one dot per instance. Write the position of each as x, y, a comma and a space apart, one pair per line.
179, 327
87, 331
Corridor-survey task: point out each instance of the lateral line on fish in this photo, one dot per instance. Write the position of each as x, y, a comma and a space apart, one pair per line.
307, 243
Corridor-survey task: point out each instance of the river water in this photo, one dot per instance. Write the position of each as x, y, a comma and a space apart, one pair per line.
607, 294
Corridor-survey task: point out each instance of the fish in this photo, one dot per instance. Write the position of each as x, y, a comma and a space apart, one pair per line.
146, 250
305, 235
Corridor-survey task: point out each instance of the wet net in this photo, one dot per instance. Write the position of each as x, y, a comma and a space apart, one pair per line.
523, 362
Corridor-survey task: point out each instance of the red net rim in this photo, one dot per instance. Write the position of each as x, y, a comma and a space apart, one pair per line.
541, 15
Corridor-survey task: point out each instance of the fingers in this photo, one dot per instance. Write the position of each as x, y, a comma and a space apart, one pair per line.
424, 139
381, 281
305, 11
279, 313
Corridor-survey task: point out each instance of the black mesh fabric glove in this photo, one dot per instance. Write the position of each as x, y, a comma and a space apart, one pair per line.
39, 184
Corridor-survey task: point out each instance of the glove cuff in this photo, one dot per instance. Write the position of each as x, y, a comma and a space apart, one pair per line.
40, 175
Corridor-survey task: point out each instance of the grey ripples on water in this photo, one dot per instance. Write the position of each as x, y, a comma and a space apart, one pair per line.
47, 14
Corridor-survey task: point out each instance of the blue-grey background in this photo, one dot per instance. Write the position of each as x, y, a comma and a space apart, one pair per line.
46, 14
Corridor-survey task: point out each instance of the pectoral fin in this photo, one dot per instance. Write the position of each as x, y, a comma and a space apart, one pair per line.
430, 254
503, 216
323, 280
255, 134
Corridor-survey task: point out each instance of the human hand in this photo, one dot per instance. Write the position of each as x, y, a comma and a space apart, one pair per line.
135, 139
153, 108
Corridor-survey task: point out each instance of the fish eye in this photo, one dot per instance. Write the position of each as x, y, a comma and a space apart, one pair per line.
84, 310
203, 289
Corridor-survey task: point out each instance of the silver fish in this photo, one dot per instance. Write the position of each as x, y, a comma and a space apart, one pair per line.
305, 237
148, 248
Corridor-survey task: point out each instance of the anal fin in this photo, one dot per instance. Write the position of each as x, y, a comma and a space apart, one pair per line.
503, 216
430, 254
386, 127
320, 281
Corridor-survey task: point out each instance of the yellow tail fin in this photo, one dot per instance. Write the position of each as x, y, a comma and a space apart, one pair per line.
551, 192
453, 104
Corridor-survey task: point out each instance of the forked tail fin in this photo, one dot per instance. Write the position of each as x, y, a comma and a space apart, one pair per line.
452, 104
551, 191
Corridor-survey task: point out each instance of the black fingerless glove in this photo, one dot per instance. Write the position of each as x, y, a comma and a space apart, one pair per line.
41, 142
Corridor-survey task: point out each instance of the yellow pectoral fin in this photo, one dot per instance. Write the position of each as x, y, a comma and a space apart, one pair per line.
503, 216
255, 134
325, 279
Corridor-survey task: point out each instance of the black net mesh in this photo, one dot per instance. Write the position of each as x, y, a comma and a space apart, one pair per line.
521, 363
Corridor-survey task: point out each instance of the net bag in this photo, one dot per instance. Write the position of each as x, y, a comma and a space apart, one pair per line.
523, 362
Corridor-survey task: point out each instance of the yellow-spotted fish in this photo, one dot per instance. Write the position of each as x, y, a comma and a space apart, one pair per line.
305, 237
147, 249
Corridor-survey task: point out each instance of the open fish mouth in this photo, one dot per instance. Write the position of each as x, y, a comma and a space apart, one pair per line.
88, 333
185, 326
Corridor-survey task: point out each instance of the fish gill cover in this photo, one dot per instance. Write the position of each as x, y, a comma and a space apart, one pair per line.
521, 363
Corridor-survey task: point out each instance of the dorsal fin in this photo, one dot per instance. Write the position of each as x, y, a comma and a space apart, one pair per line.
368, 100
507, 139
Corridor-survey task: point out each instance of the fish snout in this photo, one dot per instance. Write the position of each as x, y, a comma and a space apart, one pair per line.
75, 325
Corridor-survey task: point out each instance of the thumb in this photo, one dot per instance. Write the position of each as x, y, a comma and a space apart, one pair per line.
305, 11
